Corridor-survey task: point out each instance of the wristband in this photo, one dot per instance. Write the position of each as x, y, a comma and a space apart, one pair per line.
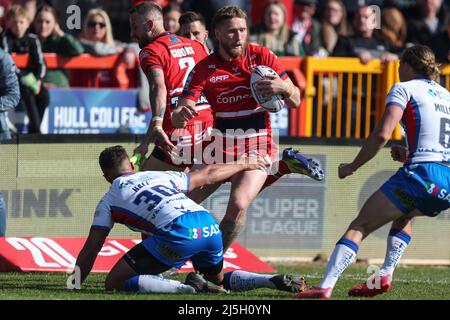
157, 118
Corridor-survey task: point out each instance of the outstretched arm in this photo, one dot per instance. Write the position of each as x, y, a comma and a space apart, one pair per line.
88, 254
215, 173
377, 140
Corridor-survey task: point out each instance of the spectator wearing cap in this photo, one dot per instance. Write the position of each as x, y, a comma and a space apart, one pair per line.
307, 28
427, 20
363, 43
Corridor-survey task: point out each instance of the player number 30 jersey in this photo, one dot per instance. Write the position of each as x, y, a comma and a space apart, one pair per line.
145, 201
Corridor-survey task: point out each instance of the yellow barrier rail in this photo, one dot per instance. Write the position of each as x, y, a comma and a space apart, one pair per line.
345, 98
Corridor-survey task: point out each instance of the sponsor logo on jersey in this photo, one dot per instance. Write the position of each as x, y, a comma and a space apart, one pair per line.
231, 96
205, 232
174, 39
219, 78
211, 66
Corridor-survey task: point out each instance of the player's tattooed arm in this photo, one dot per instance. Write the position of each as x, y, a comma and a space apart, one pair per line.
158, 96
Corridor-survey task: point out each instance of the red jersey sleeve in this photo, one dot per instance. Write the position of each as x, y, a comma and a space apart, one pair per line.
150, 59
195, 83
271, 60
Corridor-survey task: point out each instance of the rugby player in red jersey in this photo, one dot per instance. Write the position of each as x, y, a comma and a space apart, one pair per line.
224, 78
167, 59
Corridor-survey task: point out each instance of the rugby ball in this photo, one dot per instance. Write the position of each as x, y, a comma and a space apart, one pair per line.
272, 104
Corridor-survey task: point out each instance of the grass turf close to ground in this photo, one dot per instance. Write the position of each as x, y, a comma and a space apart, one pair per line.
410, 283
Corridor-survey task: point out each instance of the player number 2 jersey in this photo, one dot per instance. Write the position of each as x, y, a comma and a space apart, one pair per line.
426, 119
145, 201
176, 56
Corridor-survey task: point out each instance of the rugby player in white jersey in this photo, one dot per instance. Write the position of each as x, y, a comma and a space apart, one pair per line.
154, 203
420, 188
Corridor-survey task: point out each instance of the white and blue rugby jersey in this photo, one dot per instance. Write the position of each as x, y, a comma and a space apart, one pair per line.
145, 201
426, 119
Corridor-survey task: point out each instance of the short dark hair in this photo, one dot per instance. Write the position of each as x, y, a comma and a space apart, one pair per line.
226, 13
146, 8
191, 16
112, 157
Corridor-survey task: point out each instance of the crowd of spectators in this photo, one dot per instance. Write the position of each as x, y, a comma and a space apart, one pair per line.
321, 28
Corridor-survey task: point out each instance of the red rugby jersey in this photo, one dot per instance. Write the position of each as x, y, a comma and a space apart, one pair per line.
226, 85
176, 56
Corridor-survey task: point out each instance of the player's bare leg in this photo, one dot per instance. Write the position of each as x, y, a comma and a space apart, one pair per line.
397, 242
245, 186
376, 212
138, 271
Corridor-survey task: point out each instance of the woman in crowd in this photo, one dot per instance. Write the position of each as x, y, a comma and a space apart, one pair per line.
274, 33
393, 27
334, 24
54, 40
97, 40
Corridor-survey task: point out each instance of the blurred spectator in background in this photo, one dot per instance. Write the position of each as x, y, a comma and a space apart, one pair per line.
274, 33
307, 28
54, 40
334, 24
97, 39
427, 20
9, 98
171, 14
192, 26
363, 43
16, 39
118, 14
207, 8
441, 45
4, 6
393, 27
30, 7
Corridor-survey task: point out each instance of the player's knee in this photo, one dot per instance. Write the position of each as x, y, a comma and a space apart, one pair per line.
365, 227
238, 207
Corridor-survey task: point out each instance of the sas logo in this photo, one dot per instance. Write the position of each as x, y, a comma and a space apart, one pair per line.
206, 232
219, 78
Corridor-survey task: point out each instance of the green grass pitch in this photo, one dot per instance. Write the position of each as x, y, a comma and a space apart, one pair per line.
409, 283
